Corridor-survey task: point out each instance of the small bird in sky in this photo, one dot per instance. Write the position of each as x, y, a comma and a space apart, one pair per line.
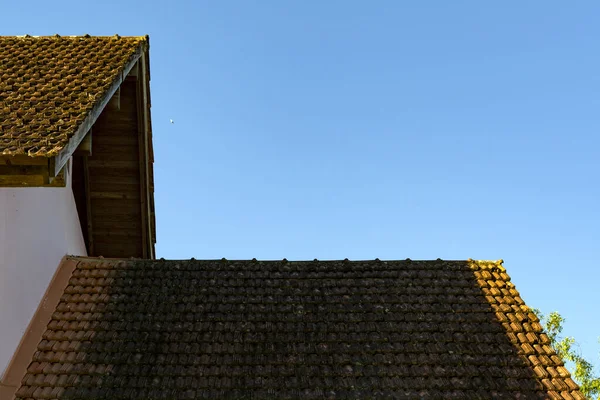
172, 121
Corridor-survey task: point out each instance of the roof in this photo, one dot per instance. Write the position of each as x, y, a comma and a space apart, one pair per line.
50, 85
317, 329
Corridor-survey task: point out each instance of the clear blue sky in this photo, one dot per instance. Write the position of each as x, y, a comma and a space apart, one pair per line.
336, 129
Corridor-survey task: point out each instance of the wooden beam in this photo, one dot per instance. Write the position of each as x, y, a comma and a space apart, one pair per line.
113, 164
115, 140
115, 101
93, 115
23, 160
114, 195
145, 68
21, 180
134, 71
141, 115
85, 147
59, 180
30, 181
118, 233
22, 169
88, 206
29, 176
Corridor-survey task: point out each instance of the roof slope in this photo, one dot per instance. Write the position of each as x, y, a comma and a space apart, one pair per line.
278, 329
48, 85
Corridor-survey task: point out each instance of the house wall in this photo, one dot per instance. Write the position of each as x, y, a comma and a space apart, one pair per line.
38, 227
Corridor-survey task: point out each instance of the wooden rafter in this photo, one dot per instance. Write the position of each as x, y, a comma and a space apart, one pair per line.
142, 158
25, 171
88, 205
85, 147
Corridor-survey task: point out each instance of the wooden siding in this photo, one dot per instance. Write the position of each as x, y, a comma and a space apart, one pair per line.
114, 179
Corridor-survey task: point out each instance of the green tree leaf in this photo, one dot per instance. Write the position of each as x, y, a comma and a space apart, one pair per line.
566, 347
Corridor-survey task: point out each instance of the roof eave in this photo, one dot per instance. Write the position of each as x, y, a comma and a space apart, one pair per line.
59, 160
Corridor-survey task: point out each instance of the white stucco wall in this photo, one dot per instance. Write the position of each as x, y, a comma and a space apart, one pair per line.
38, 226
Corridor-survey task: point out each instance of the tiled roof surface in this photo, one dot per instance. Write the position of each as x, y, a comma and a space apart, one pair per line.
49, 84
278, 329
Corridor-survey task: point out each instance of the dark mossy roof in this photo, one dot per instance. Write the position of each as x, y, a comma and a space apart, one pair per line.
141, 329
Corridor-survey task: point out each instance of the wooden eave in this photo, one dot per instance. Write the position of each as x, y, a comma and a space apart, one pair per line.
61, 158
115, 186
28, 171
119, 183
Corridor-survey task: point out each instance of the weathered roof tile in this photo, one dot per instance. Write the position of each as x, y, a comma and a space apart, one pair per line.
284, 329
48, 85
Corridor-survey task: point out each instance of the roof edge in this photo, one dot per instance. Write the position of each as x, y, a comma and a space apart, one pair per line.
498, 263
59, 160
84, 36
17, 366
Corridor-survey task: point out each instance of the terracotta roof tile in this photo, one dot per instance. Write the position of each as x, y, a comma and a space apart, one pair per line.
236, 329
48, 85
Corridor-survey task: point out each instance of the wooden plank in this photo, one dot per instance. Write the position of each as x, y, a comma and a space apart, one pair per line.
115, 101
143, 160
145, 143
125, 180
120, 156
88, 206
105, 149
119, 243
67, 151
57, 181
21, 180
119, 140
120, 126
113, 172
29, 176
118, 233
85, 147
23, 160
113, 164
22, 169
118, 222
115, 207
149, 149
114, 195
134, 71
115, 187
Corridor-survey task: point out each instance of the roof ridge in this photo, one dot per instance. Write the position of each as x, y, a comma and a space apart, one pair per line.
468, 260
84, 36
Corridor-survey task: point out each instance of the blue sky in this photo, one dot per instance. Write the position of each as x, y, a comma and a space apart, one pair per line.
334, 129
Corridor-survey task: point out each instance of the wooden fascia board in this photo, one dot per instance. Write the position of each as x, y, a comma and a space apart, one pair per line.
143, 159
85, 147
17, 367
61, 158
88, 206
150, 150
23, 160
27, 171
144, 81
